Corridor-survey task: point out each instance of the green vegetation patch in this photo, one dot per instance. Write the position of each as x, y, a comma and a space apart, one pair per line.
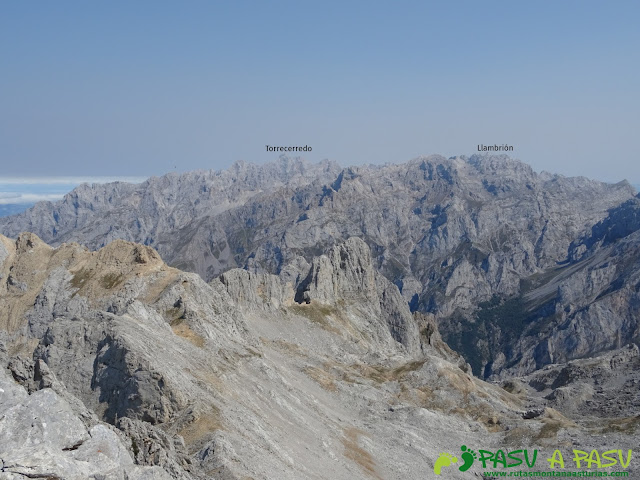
81, 277
510, 316
315, 312
496, 324
111, 280
626, 425
382, 374
473, 254
406, 368
174, 315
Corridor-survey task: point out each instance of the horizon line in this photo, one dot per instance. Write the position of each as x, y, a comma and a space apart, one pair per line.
68, 180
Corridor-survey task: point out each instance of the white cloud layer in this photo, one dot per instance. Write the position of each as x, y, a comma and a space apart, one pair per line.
29, 190
12, 198
66, 180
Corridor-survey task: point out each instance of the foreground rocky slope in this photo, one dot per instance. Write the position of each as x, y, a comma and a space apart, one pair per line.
118, 366
520, 269
49, 434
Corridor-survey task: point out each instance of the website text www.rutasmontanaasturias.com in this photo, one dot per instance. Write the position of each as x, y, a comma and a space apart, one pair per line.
555, 474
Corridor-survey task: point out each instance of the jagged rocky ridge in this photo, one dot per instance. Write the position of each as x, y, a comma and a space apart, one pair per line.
586, 305
115, 338
478, 242
118, 366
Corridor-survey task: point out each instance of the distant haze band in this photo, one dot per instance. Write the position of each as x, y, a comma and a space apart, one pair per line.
306, 148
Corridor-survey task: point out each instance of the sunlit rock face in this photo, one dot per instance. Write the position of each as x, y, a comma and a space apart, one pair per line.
497, 252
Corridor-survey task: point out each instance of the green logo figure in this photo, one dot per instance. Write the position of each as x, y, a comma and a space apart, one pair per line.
444, 460
468, 456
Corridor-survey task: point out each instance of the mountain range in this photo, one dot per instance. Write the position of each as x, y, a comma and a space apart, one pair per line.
297, 320
486, 244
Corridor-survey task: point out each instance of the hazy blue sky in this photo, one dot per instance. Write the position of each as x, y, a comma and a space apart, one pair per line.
139, 88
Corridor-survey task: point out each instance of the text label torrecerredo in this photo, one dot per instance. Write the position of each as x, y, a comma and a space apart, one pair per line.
271, 148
